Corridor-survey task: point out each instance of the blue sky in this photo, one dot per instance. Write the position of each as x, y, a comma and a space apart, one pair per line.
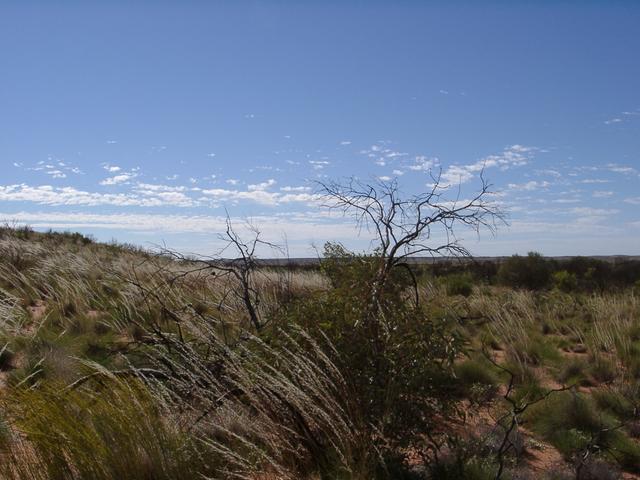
144, 121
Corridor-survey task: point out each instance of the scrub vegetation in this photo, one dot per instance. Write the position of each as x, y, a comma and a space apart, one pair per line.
121, 363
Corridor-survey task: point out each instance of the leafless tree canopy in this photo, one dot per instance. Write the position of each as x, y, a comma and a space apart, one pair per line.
424, 224
406, 226
237, 261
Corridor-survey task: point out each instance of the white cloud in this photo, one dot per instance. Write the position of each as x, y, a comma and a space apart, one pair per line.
614, 167
56, 173
345, 142
55, 168
529, 186
258, 194
119, 179
622, 118
152, 187
549, 172
318, 164
262, 186
299, 228
593, 212
594, 181
602, 194
633, 200
49, 195
423, 163
295, 189
512, 156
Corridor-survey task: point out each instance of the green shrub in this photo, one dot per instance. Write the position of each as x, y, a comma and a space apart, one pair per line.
565, 419
459, 284
475, 371
571, 423
532, 272
565, 281
603, 370
613, 402
525, 380
573, 372
625, 450
540, 351
399, 361
477, 379
473, 469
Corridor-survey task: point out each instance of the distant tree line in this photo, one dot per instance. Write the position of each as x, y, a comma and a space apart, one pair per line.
536, 272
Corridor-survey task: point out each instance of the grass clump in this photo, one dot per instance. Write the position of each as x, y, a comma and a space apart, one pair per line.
573, 424
573, 373
115, 432
475, 370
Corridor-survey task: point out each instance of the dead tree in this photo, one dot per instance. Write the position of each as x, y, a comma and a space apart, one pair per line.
242, 268
425, 224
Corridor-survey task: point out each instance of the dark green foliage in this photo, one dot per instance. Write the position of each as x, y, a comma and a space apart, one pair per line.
532, 272
572, 424
7, 358
459, 284
603, 370
573, 372
396, 360
614, 402
475, 371
565, 281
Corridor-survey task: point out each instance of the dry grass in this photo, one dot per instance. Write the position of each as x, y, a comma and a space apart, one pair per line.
167, 381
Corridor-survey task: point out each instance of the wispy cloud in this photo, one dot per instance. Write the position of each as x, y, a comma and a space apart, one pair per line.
53, 167
119, 179
529, 186
262, 186
602, 194
49, 195
423, 164
319, 164
622, 117
512, 156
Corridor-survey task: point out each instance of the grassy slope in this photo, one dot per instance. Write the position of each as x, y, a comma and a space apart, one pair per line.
70, 307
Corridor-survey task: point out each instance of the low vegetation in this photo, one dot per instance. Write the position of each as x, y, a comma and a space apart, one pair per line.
120, 363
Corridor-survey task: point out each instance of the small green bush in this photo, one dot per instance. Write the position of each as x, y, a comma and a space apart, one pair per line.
459, 284
565, 281
532, 272
602, 370
613, 402
475, 371
573, 372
